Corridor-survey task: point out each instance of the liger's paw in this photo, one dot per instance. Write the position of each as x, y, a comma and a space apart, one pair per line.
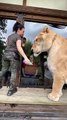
54, 97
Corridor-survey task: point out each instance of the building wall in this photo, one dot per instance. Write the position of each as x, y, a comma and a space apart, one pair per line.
18, 2
52, 4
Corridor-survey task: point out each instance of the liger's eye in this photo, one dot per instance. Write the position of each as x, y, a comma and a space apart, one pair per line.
36, 40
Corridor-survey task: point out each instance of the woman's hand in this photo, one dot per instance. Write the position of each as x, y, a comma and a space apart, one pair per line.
27, 61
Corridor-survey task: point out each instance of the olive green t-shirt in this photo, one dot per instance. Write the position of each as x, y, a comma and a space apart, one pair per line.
11, 44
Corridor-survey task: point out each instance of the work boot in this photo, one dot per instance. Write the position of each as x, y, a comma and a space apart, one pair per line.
11, 91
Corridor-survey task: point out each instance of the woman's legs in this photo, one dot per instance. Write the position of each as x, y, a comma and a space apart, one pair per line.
5, 67
14, 64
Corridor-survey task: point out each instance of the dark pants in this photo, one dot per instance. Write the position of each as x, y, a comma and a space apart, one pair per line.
9, 62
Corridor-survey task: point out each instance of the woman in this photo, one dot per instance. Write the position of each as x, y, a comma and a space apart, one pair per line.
11, 57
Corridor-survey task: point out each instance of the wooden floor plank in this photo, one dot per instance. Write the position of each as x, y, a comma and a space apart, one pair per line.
33, 116
33, 112
31, 96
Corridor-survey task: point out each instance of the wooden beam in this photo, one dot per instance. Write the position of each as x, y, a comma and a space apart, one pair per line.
8, 15
33, 10
42, 15
35, 108
46, 19
34, 18
24, 2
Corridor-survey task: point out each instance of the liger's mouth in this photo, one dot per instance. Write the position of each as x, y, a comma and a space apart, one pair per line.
37, 54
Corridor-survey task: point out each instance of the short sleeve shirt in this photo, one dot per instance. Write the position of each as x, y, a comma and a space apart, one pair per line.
11, 42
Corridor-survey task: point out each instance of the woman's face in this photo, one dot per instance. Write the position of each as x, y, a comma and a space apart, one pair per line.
21, 31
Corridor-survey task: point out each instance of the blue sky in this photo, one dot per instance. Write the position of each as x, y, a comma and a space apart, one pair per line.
32, 29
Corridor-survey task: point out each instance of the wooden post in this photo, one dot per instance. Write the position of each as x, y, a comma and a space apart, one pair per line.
18, 78
24, 2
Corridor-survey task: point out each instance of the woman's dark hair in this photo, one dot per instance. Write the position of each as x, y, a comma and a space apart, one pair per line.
17, 26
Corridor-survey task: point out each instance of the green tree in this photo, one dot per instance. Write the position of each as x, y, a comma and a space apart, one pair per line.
2, 47
3, 24
28, 48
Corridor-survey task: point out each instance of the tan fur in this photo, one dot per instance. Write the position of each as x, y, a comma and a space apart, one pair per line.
48, 40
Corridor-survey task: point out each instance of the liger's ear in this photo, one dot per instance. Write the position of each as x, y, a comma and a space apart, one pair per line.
46, 29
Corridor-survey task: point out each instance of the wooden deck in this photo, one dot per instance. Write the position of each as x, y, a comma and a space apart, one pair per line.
33, 112
32, 104
31, 96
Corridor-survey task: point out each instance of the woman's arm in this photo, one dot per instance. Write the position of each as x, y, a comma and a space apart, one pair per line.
20, 50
